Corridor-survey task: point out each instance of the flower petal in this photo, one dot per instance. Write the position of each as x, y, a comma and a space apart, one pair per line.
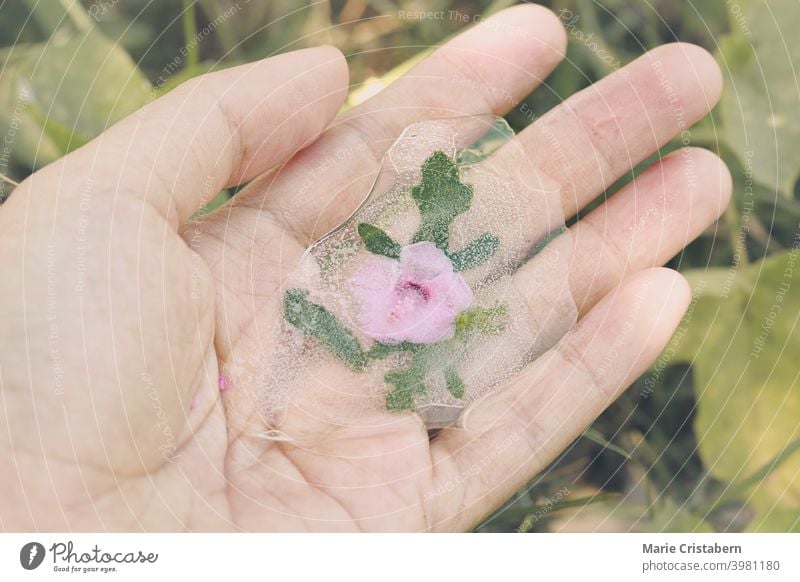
416, 299
431, 323
424, 261
452, 292
375, 278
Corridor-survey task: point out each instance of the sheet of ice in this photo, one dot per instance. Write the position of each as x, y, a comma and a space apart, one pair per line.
304, 378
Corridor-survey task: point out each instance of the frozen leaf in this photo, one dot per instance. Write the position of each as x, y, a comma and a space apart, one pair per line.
317, 322
409, 305
455, 385
378, 242
475, 253
379, 350
407, 383
440, 197
490, 320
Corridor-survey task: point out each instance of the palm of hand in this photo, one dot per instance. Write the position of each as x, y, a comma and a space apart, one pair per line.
114, 414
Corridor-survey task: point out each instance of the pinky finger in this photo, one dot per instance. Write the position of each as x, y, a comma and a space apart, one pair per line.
514, 433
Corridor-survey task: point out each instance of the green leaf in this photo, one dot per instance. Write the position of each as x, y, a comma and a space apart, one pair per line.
489, 320
759, 105
776, 520
60, 95
455, 385
379, 350
440, 197
426, 360
666, 516
63, 137
52, 15
315, 321
475, 253
378, 242
29, 144
746, 346
740, 489
407, 383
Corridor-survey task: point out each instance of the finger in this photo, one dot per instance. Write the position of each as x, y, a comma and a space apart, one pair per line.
599, 134
642, 226
514, 433
214, 131
128, 290
645, 224
487, 69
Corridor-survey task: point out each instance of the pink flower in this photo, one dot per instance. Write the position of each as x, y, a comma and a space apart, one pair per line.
415, 299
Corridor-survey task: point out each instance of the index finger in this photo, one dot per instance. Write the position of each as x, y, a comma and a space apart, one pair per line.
487, 69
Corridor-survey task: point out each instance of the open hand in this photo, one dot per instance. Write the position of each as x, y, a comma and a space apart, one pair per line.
119, 312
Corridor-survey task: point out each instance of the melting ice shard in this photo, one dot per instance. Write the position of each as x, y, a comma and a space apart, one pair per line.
412, 306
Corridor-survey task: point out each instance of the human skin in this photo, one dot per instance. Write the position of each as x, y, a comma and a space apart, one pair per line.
118, 313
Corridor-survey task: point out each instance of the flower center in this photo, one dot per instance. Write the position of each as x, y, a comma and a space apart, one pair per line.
409, 295
417, 288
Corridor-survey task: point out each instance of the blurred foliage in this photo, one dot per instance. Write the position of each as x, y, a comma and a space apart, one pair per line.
744, 352
67, 93
759, 108
708, 440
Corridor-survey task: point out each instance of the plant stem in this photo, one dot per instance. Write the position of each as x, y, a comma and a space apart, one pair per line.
591, 24
526, 512
598, 438
8, 180
189, 29
732, 221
